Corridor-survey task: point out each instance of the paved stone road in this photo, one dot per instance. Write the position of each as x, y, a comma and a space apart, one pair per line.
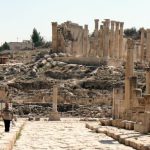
69, 134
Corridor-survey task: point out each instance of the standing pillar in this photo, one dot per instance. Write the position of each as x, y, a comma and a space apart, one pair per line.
121, 41
148, 80
142, 45
95, 44
54, 36
117, 40
137, 53
129, 74
96, 24
111, 53
54, 115
100, 41
148, 46
106, 39
85, 40
55, 94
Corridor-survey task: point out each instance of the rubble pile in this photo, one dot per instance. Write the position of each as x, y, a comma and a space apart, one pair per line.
81, 84
95, 111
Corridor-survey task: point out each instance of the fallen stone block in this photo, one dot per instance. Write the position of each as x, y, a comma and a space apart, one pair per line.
37, 118
30, 118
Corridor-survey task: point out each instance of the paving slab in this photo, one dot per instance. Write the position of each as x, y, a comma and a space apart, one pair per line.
8, 139
128, 137
67, 134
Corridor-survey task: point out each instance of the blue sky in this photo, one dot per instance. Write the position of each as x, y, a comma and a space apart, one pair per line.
19, 17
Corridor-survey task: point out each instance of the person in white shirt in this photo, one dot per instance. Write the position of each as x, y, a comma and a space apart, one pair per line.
7, 116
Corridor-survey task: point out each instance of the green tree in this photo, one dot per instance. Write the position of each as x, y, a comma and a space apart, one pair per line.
132, 33
36, 38
5, 46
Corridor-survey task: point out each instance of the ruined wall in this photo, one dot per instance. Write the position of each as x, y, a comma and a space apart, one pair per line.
68, 37
105, 42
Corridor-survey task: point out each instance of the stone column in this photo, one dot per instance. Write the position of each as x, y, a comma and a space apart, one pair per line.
85, 40
148, 46
100, 41
96, 24
54, 115
121, 41
142, 45
148, 80
111, 52
54, 36
117, 41
106, 39
129, 74
55, 94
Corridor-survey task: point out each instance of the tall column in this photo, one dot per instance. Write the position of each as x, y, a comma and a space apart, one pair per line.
148, 46
54, 115
106, 39
100, 41
55, 93
148, 80
96, 24
95, 44
121, 41
85, 40
142, 45
117, 40
111, 52
54, 36
129, 74
137, 53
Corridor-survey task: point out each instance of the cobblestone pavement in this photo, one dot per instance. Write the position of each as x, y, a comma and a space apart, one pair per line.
68, 134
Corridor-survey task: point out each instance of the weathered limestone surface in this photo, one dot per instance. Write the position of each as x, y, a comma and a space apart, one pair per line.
127, 137
121, 41
7, 140
69, 134
142, 45
117, 40
148, 45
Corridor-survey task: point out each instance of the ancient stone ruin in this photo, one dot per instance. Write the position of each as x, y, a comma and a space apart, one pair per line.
129, 103
106, 41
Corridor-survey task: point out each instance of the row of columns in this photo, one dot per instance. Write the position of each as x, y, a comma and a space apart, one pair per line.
110, 38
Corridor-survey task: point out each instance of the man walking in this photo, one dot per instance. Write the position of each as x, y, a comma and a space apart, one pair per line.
7, 116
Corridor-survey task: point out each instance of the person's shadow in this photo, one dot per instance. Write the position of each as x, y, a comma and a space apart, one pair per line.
108, 141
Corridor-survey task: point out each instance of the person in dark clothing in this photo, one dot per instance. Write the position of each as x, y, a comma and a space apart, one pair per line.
7, 116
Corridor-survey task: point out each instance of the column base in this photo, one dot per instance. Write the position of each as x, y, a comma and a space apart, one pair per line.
54, 116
